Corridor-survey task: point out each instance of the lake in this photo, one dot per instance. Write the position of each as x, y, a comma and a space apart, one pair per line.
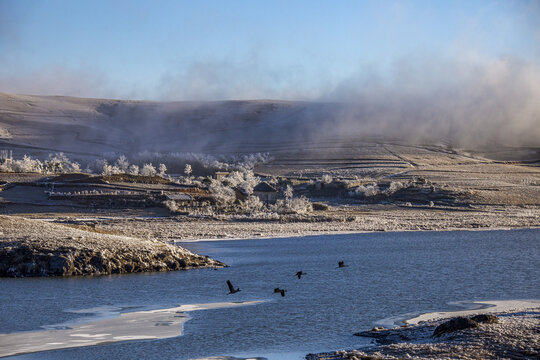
388, 275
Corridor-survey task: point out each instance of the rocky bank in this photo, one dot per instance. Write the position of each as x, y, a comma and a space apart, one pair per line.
509, 335
38, 248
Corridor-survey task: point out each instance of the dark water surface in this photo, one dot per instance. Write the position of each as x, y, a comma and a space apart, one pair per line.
389, 274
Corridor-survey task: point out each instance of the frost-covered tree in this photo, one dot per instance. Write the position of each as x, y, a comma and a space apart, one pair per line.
162, 169
133, 169
288, 193
244, 179
122, 164
188, 170
26, 164
222, 194
104, 168
253, 204
59, 163
148, 170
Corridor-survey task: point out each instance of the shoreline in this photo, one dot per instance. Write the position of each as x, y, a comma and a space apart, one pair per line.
332, 233
509, 329
483, 307
463, 308
186, 229
86, 245
31, 248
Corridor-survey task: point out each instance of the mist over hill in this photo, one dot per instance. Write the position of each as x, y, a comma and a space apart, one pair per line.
86, 128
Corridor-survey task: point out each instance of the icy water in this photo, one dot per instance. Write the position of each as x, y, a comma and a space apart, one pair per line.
388, 274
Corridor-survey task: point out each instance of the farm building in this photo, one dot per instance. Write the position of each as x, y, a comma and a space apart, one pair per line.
266, 192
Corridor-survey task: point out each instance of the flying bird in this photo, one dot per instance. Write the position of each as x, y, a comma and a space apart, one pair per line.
281, 291
232, 290
299, 274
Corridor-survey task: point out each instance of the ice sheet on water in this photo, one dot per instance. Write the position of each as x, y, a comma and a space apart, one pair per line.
117, 327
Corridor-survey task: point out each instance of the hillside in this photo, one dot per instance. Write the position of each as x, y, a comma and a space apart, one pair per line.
86, 128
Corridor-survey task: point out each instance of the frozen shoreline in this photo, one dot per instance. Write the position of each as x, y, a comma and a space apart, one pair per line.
479, 307
151, 324
514, 335
285, 236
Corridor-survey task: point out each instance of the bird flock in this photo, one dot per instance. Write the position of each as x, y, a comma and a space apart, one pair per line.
299, 274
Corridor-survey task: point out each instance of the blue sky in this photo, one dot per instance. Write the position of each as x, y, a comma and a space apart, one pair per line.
182, 50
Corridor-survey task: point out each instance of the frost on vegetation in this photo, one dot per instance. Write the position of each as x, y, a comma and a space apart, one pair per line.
162, 170
253, 204
373, 189
223, 194
300, 205
92, 193
60, 164
25, 165
395, 186
326, 179
288, 193
102, 166
187, 180
112, 164
367, 190
121, 166
171, 205
148, 170
202, 163
133, 169
122, 163
243, 179
105, 169
55, 164
223, 189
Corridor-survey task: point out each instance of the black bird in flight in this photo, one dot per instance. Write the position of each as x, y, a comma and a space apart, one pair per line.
341, 264
232, 290
281, 291
299, 274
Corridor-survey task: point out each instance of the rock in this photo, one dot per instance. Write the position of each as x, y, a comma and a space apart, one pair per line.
455, 324
485, 319
385, 336
32, 268
60, 265
128, 267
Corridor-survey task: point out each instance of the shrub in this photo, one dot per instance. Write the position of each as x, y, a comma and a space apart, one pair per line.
253, 204
299, 205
